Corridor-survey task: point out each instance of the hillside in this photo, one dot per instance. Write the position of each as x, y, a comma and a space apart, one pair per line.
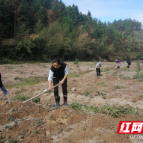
139, 35
39, 30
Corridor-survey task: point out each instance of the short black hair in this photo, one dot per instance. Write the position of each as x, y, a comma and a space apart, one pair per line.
56, 60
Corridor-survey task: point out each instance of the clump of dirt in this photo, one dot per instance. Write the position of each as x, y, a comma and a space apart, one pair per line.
37, 123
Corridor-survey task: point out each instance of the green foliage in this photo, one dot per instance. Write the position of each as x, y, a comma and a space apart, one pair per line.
43, 29
20, 98
7, 127
115, 111
138, 65
76, 61
13, 141
73, 75
37, 99
118, 87
1, 137
37, 132
102, 84
140, 75
29, 81
141, 96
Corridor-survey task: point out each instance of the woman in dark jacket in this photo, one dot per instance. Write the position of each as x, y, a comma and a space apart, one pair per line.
58, 73
2, 87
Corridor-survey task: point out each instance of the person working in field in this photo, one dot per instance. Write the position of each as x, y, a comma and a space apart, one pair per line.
58, 74
118, 63
98, 66
128, 63
2, 87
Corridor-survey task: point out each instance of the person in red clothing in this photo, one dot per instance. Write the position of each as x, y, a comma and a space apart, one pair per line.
2, 87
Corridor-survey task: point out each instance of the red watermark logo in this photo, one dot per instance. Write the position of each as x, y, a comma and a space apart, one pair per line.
130, 127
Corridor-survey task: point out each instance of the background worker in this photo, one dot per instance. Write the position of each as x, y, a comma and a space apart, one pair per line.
98, 66
118, 63
128, 63
2, 87
58, 74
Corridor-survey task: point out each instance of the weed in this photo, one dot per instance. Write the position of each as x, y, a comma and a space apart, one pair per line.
37, 99
1, 137
39, 123
50, 116
87, 93
27, 81
20, 98
17, 78
66, 116
13, 141
141, 96
36, 132
115, 111
15, 123
138, 65
76, 61
102, 84
10, 67
120, 75
22, 119
99, 93
68, 130
73, 75
135, 76
11, 119
7, 127
140, 75
106, 70
117, 87
61, 129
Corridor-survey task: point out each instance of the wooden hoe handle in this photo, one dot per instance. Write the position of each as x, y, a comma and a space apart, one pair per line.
40, 93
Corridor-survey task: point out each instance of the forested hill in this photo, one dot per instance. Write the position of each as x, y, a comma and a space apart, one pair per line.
42, 29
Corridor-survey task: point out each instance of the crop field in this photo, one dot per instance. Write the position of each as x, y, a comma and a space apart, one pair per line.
96, 104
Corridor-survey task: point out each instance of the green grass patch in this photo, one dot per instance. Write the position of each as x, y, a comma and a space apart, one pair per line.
13, 141
115, 111
118, 87
102, 84
20, 98
37, 99
141, 96
1, 137
139, 75
27, 81
73, 75
76, 62
106, 70
88, 93
100, 94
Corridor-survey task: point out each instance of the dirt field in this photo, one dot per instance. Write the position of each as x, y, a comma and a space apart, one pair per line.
41, 123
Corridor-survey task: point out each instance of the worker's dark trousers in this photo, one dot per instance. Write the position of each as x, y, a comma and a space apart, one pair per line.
1, 85
98, 71
56, 89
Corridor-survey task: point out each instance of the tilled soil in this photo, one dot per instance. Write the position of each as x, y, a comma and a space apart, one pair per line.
41, 123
